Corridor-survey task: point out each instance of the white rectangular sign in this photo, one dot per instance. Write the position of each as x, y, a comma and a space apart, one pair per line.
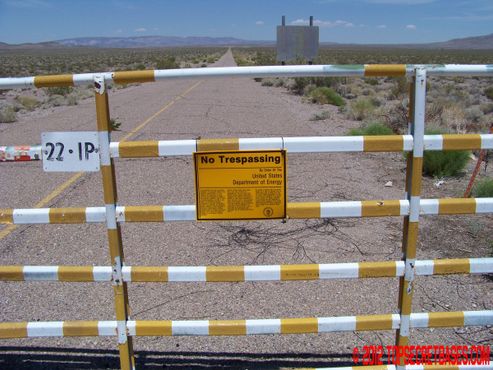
70, 151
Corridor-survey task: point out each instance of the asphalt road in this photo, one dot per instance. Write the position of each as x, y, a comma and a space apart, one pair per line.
219, 108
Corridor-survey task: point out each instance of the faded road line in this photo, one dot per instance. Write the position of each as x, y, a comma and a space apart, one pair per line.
43, 202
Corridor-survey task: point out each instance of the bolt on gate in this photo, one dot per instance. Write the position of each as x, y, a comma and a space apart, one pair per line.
119, 275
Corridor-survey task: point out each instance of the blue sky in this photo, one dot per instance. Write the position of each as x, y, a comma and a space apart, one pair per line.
354, 21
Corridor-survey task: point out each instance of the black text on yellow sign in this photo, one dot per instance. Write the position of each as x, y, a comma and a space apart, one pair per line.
240, 185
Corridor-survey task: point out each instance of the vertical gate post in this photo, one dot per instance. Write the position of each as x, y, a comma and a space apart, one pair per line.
413, 193
127, 361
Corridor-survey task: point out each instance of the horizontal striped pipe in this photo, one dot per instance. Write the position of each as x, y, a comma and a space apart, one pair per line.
315, 144
366, 208
329, 70
245, 327
53, 215
407, 367
57, 329
20, 153
246, 273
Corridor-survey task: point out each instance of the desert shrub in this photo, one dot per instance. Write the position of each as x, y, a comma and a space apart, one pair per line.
59, 90
326, 95
325, 81
264, 59
320, 116
486, 108
489, 92
454, 119
7, 114
168, 62
473, 114
240, 62
449, 115
376, 100
396, 116
28, 102
371, 129
483, 188
279, 82
308, 89
72, 100
299, 84
361, 109
371, 81
56, 101
400, 87
444, 163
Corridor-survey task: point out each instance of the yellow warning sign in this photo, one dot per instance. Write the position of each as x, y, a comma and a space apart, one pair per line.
240, 185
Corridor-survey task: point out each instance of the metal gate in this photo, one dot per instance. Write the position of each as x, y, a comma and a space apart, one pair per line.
119, 275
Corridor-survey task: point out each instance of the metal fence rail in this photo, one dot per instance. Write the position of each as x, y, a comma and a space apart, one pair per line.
243, 327
218, 274
317, 144
329, 70
299, 210
411, 208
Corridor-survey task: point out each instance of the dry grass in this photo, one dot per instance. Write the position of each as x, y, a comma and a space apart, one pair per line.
454, 104
82, 60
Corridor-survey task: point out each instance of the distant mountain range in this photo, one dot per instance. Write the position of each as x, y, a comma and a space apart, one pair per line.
477, 42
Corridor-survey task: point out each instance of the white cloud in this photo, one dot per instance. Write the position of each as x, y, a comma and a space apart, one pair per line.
382, 26
141, 29
259, 23
322, 24
411, 27
119, 30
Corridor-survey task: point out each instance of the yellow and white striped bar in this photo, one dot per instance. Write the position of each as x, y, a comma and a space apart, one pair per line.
53, 215
451, 319
246, 273
328, 70
458, 142
56, 273
57, 329
244, 327
315, 144
303, 272
366, 208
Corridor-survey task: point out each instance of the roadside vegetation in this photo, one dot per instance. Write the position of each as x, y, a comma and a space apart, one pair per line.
455, 105
371, 129
483, 188
21, 63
